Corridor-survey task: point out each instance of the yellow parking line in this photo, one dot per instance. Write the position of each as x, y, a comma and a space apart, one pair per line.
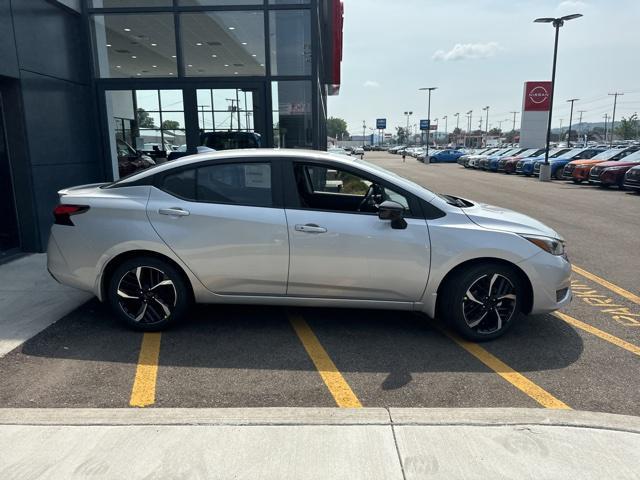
143, 392
599, 333
516, 379
614, 288
333, 379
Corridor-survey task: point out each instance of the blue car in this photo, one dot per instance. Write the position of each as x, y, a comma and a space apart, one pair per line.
445, 156
558, 163
525, 166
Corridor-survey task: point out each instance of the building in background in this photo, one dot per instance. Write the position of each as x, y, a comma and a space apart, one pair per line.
85, 85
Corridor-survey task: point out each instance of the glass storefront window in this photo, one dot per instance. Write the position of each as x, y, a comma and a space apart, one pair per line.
134, 45
292, 114
290, 42
223, 43
145, 127
215, 3
288, 2
129, 3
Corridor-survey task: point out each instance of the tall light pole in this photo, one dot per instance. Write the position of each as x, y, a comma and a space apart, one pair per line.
408, 114
514, 121
428, 90
486, 125
470, 117
582, 126
545, 169
435, 121
364, 132
606, 121
572, 100
613, 119
560, 134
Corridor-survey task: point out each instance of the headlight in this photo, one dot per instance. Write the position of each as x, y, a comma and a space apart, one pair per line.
550, 245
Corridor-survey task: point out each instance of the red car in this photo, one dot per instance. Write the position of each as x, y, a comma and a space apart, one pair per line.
510, 165
612, 173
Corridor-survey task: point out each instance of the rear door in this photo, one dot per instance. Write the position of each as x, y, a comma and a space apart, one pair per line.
225, 220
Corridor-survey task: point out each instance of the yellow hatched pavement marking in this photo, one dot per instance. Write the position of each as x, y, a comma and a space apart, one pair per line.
516, 379
333, 379
143, 392
599, 333
601, 281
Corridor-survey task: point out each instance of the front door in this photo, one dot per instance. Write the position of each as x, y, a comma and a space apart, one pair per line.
339, 246
9, 239
223, 221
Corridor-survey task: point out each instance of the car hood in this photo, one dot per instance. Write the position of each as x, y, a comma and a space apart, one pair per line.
503, 219
619, 163
585, 162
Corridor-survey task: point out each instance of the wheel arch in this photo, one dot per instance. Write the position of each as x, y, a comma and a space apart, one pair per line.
116, 261
527, 303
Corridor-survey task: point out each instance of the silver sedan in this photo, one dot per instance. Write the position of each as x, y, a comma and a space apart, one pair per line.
301, 228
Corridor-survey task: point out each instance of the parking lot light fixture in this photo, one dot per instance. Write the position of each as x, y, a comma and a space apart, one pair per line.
429, 90
545, 170
486, 125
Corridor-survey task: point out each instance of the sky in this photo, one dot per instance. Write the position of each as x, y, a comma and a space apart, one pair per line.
479, 53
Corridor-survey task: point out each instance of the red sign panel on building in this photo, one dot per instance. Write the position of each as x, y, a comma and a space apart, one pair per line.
537, 96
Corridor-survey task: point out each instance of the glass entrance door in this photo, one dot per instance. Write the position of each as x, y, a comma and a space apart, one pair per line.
9, 237
230, 118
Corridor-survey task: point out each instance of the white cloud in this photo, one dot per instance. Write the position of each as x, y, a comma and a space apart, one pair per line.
371, 84
572, 6
467, 51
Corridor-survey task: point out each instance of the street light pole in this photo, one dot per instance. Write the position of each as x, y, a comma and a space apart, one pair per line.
514, 121
570, 120
606, 122
545, 169
613, 119
446, 128
408, 114
486, 125
429, 90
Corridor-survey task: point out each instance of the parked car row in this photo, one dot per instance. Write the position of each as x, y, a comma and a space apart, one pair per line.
436, 155
598, 165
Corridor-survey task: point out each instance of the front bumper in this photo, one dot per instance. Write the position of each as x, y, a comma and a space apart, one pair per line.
550, 277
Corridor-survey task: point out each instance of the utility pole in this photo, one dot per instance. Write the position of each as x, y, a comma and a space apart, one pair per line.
613, 119
486, 125
606, 121
364, 132
428, 90
584, 143
560, 135
572, 100
446, 130
457, 115
514, 121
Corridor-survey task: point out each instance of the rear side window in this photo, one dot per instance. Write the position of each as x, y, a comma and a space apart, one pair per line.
233, 183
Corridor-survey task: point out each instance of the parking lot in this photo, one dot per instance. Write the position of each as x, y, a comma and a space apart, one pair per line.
586, 358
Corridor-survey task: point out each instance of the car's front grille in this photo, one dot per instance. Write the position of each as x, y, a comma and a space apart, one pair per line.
568, 171
594, 174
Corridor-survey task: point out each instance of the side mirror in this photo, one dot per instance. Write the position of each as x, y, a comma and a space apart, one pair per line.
390, 210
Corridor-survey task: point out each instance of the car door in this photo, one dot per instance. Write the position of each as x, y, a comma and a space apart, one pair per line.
225, 220
341, 251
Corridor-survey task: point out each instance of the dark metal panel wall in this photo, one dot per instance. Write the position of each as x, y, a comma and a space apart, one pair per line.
8, 59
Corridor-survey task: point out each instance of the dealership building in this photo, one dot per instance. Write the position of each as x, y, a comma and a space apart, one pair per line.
87, 83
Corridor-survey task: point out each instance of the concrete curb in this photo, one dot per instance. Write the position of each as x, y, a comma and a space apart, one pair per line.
319, 416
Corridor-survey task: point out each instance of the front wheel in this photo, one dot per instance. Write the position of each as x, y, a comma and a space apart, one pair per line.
558, 174
148, 294
483, 301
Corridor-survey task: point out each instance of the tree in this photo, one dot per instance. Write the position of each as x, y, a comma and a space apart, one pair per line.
170, 125
496, 132
511, 136
144, 119
628, 127
337, 128
456, 131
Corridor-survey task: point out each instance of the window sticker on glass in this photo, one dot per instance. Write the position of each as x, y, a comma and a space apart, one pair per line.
258, 176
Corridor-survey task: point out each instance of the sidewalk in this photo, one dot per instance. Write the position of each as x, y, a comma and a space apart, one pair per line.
31, 300
312, 443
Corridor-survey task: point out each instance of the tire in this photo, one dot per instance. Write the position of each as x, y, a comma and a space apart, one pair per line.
558, 175
462, 313
577, 181
433, 160
148, 294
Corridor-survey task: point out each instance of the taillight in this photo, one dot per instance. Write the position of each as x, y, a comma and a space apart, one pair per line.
62, 213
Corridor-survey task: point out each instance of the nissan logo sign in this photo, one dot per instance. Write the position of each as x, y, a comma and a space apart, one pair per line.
538, 95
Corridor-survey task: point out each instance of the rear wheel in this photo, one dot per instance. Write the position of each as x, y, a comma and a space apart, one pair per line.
148, 294
483, 301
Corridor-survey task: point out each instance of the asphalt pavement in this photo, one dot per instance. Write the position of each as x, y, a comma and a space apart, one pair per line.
587, 358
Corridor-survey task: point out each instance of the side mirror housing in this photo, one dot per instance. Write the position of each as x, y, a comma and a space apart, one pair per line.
390, 210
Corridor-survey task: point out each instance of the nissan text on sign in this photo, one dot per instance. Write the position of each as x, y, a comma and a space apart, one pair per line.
535, 114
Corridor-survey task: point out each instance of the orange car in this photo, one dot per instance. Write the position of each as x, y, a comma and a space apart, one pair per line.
578, 170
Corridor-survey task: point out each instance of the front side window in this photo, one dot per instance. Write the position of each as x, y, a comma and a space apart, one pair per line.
324, 188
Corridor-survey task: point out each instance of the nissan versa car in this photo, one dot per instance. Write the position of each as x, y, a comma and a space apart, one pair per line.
612, 173
558, 163
493, 160
512, 165
266, 227
526, 166
578, 170
502, 162
632, 179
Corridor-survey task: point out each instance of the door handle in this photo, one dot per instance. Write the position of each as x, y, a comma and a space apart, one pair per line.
310, 228
174, 212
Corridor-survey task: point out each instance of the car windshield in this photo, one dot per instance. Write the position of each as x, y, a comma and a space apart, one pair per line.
607, 154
